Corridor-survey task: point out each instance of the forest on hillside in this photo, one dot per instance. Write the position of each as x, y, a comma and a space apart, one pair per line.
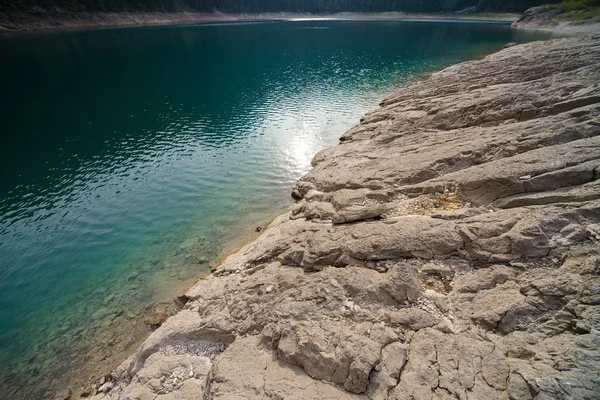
256, 6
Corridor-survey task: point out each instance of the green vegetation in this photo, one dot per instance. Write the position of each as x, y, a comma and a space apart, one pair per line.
507, 5
255, 6
579, 10
572, 5
583, 15
88, 5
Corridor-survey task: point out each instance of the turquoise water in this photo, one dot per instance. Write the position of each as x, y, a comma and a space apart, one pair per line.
131, 157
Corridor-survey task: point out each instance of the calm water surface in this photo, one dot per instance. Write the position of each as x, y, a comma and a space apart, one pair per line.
131, 157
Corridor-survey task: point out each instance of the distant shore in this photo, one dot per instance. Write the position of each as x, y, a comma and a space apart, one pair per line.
42, 21
553, 19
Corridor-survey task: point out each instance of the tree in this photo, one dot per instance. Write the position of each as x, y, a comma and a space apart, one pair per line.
257, 6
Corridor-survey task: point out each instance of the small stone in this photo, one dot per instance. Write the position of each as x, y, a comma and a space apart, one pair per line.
64, 394
159, 316
107, 387
108, 299
594, 231
182, 299
582, 327
155, 384
269, 289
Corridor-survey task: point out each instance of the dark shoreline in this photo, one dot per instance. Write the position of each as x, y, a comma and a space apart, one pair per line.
49, 21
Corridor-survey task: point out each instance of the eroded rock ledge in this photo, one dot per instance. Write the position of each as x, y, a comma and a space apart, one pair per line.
447, 249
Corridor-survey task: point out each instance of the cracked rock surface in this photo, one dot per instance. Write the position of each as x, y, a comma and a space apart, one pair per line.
446, 249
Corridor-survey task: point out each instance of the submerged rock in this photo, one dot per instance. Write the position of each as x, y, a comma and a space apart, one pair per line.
158, 317
447, 249
63, 395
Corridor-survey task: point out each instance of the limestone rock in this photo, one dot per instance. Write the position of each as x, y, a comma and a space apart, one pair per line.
540, 16
359, 213
446, 249
63, 395
159, 315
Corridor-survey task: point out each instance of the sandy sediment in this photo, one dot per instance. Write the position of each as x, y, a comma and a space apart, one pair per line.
448, 248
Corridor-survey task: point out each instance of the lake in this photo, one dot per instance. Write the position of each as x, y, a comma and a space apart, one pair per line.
132, 158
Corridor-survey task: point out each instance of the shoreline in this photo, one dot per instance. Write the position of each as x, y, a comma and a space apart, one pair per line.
16, 22
246, 244
562, 28
548, 19
159, 309
171, 304
293, 253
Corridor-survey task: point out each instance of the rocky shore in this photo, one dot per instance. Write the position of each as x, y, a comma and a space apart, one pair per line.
552, 18
448, 248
